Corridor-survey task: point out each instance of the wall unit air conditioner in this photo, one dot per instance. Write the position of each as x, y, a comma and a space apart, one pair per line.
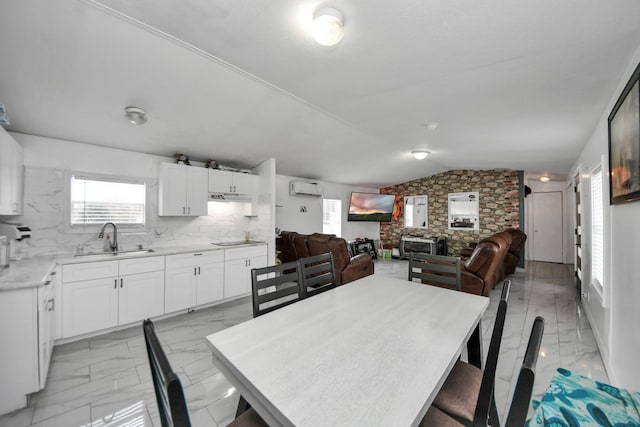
297, 188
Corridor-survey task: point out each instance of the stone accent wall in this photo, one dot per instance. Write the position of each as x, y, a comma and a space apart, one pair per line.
499, 205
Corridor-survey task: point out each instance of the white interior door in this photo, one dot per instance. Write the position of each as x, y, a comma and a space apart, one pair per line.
547, 226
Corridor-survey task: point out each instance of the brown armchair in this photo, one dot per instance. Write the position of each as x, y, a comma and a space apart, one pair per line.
295, 245
511, 260
480, 271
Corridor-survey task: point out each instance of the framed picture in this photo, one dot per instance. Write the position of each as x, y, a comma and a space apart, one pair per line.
624, 144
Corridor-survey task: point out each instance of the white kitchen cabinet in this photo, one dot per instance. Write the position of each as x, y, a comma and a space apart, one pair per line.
140, 296
104, 294
19, 354
47, 315
193, 279
228, 182
238, 263
182, 190
11, 174
89, 305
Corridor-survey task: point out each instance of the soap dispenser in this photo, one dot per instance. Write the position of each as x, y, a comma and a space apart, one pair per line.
247, 237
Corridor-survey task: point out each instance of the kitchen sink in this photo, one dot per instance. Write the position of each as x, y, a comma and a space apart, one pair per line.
237, 242
113, 254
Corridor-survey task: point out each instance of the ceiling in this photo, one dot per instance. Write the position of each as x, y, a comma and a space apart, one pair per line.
518, 84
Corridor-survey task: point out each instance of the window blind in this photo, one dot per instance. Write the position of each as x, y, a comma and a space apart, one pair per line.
597, 228
96, 201
332, 216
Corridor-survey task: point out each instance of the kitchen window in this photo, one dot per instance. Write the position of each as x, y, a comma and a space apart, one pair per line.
94, 200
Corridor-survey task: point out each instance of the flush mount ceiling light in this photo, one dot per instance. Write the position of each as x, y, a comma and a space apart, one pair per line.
545, 178
327, 26
420, 154
135, 115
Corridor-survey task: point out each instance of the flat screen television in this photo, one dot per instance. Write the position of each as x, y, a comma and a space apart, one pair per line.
371, 207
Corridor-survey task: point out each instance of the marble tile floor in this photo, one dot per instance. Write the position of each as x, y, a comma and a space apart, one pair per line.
105, 380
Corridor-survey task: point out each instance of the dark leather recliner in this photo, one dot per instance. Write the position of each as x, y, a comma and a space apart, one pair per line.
518, 238
515, 240
348, 269
481, 271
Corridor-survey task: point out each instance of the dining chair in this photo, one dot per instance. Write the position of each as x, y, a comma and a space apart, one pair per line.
318, 274
468, 392
521, 395
275, 286
168, 389
524, 385
172, 405
437, 270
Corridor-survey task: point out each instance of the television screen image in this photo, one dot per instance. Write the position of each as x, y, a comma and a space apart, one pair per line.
371, 207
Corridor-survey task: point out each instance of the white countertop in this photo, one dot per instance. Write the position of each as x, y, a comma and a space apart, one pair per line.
33, 272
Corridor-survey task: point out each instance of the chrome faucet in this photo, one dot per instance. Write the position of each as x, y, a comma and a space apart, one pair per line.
113, 245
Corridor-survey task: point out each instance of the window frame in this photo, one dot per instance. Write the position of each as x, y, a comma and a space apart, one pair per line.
602, 289
95, 228
333, 199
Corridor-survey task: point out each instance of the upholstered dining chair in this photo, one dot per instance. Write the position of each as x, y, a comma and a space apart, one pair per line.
437, 270
318, 274
275, 286
172, 405
468, 392
521, 395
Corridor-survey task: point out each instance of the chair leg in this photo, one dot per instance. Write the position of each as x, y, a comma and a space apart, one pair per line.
494, 420
243, 405
474, 347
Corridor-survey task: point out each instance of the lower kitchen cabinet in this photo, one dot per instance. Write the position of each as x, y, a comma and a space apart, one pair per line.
193, 279
237, 268
132, 290
89, 305
140, 296
26, 332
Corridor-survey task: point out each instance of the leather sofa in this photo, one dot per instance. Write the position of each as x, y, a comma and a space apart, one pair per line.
515, 240
479, 273
294, 246
518, 239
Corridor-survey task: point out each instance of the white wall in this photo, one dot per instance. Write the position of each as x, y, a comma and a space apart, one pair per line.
47, 159
616, 323
290, 218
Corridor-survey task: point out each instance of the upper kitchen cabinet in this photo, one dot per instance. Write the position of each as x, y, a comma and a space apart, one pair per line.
11, 174
183, 190
227, 182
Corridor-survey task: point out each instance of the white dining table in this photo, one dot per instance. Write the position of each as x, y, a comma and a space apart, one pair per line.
373, 352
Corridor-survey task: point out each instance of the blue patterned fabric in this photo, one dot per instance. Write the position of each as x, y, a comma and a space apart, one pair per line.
573, 400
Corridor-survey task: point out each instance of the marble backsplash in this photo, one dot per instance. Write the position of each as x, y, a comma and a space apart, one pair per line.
44, 210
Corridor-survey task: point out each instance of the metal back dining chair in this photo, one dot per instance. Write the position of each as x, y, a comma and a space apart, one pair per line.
468, 392
275, 286
318, 274
524, 385
169, 395
437, 270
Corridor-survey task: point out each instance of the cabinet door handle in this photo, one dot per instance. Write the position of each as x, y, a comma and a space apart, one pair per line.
115, 284
184, 210
198, 270
189, 210
198, 254
195, 271
53, 304
121, 282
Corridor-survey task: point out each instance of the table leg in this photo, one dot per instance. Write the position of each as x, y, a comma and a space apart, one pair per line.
243, 405
474, 347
